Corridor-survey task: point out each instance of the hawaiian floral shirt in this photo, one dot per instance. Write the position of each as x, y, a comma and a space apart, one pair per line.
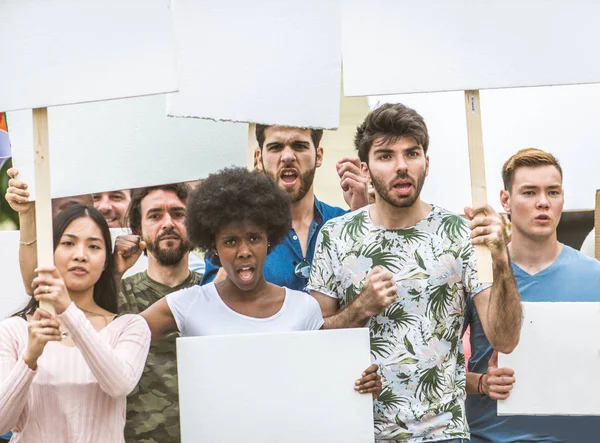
417, 340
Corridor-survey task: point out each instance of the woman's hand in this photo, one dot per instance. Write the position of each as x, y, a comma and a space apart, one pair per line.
370, 382
17, 194
42, 328
50, 287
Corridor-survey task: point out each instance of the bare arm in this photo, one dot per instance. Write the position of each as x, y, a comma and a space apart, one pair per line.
379, 291
498, 307
17, 197
160, 319
352, 316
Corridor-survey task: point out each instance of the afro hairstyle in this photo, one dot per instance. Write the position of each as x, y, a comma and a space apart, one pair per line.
236, 195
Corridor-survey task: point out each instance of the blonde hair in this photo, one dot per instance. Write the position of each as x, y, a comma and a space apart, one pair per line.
528, 157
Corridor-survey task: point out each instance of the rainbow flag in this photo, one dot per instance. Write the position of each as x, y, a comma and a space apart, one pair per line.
4, 142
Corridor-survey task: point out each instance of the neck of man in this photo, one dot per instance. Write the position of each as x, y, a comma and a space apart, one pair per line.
392, 217
303, 211
170, 276
533, 254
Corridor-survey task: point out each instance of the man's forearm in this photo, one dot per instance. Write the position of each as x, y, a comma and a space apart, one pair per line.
28, 253
504, 309
352, 316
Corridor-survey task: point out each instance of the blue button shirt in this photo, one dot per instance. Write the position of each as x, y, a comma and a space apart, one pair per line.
573, 277
280, 264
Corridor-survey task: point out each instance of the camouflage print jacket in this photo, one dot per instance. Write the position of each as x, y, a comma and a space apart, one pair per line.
153, 406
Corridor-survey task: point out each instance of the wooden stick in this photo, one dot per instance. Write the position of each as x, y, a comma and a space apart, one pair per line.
478, 184
597, 227
43, 203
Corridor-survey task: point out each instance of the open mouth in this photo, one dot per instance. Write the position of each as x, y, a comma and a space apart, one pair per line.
246, 273
403, 188
289, 177
542, 218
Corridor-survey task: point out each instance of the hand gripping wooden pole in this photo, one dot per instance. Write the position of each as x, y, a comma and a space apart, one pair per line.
43, 203
478, 184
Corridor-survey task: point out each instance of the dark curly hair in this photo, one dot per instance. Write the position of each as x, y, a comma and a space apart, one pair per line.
390, 121
236, 195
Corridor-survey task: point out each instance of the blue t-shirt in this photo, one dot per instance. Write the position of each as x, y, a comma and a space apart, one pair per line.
572, 277
281, 262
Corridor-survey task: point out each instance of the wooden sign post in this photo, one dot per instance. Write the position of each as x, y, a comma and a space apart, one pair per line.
477, 170
43, 205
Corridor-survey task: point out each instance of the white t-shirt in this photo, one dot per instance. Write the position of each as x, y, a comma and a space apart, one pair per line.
199, 310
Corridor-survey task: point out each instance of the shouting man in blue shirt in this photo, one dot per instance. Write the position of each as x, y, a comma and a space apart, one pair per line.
291, 156
545, 271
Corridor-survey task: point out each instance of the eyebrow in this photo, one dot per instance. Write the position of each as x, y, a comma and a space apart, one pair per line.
154, 210
76, 237
293, 142
538, 186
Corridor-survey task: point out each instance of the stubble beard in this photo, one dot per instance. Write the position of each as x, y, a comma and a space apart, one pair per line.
385, 191
305, 179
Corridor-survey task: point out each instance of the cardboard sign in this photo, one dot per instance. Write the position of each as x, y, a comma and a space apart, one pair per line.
272, 62
68, 51
123, 144
294, 387
556, 338
393, 47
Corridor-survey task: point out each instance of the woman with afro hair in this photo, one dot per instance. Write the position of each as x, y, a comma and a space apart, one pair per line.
240, 216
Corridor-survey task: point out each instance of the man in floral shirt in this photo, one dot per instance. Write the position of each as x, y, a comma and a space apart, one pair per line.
405, 268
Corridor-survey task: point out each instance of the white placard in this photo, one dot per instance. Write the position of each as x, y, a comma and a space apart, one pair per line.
123, 144
13, 295
294, 387
560, 120
393, 47
556, 338
272, 62
58, 52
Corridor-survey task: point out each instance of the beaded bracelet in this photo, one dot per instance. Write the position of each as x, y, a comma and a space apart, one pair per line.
27, 243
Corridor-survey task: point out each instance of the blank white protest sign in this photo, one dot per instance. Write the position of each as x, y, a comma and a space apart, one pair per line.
293, 387
122, 144
556, 362
59, 52
272, 61
392, 47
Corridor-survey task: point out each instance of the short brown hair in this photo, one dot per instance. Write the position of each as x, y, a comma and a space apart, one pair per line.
528, 157
315, 135
390, 121
134, 212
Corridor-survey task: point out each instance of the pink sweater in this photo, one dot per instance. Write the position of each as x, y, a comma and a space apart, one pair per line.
76, 394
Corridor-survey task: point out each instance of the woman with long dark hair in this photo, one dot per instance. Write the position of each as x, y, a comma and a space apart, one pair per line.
65, 377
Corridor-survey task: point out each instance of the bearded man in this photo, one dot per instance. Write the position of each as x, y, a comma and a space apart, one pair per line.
291, 156
156, 218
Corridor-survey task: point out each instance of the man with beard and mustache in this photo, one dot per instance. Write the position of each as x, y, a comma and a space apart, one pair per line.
405, 268
156, 218
291, 156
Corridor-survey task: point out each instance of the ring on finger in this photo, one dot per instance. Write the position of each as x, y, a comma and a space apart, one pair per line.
47, 290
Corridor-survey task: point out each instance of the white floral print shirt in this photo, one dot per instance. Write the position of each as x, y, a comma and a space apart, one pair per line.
417, 340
